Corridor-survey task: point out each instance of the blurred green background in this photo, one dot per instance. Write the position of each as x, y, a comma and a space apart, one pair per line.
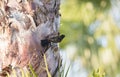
92, 29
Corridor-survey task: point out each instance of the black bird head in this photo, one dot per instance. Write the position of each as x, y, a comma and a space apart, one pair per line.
56, 39
45, 42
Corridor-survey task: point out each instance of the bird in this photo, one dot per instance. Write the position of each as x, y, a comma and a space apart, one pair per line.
23, 32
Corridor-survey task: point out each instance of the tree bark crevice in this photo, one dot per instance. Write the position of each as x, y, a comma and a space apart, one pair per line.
23, 24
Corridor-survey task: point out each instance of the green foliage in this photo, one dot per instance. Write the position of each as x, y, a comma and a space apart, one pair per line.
62, 72
33, 72
98, 73
46, 66
23, 73
98, 4
89, 25
67, 71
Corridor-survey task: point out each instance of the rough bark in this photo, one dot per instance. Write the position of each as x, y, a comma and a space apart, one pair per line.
23, 24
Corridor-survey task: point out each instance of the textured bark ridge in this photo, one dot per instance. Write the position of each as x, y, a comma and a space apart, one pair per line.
23, 24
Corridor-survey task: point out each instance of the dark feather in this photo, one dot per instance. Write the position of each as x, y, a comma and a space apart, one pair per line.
45, 42
56, 39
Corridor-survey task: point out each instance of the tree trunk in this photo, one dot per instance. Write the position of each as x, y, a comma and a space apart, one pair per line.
23, 24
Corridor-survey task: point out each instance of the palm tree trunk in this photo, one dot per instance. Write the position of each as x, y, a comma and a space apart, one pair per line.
23, 24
